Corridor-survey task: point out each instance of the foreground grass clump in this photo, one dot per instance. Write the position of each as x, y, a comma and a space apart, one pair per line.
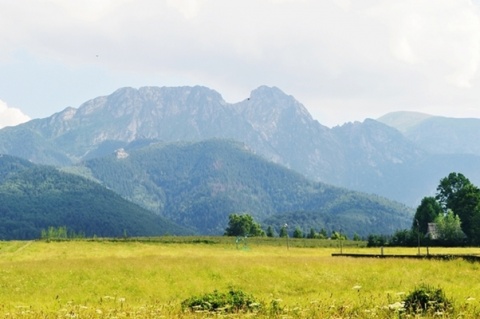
151, 278
233, 301
425, 299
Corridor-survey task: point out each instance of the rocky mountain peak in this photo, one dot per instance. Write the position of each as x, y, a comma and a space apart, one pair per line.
268, 109
66, 114
276, 100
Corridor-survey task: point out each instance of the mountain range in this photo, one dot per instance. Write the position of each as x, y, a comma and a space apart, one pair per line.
400, 156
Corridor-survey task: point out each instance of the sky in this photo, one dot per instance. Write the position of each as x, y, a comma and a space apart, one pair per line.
344, 60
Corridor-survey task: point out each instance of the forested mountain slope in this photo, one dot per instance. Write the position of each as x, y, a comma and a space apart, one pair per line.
199, 184
34, 197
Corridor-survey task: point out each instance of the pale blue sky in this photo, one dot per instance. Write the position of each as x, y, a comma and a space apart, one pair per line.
344, 60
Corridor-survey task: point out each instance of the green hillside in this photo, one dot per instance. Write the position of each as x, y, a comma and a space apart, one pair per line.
33, 198
199, 184
10, 165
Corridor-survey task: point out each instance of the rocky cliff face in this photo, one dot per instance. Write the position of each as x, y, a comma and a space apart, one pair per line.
296, 139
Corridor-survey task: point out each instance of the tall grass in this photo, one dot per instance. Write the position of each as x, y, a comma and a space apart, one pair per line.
149, 279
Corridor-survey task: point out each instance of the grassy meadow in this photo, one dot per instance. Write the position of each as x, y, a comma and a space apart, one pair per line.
151, 278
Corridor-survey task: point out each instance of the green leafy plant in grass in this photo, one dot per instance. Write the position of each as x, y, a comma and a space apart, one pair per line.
425, 299
230, 302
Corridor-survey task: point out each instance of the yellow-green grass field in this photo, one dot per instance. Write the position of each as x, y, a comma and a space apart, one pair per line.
151, 278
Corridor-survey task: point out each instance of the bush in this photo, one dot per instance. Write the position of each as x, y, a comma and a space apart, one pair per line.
233, 301
426, 299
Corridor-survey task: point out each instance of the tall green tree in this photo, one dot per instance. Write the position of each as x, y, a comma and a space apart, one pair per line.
457, 193
449, 190
426, 213
243, 225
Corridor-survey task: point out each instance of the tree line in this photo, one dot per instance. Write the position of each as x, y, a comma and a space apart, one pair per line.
450, 218
243, 225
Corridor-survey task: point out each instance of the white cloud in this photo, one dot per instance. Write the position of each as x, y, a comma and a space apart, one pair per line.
338, 57
188, 8
11, 116
441, 39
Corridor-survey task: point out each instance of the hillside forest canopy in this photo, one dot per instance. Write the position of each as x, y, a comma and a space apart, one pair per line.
36, 198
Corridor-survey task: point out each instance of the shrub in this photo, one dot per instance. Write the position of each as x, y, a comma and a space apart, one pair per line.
426, 299
233, 301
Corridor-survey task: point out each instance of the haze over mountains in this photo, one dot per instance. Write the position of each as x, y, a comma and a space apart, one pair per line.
372, 156
149, 145
437, 134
